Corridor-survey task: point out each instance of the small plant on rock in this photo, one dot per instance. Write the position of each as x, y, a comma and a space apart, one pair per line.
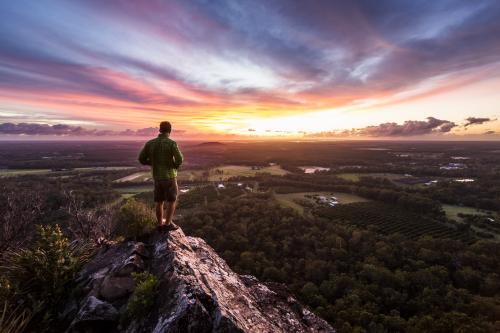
143, 297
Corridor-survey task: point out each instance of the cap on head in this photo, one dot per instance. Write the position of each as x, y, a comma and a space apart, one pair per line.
165, 127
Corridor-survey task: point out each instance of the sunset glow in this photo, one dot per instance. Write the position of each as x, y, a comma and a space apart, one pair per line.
245, 69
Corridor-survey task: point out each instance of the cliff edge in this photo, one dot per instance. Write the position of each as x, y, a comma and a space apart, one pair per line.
196, 291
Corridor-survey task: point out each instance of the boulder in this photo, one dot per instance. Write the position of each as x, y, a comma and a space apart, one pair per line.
94, 316
140, 249
134, 263
116, 287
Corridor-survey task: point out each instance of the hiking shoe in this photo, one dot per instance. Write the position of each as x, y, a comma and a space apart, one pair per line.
162, 227
171, 226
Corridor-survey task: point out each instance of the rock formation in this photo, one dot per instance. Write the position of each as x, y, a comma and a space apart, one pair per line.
196, 292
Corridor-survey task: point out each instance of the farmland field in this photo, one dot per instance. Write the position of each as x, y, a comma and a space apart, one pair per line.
135, 177
105, 168
357, 176
221, 173
22, 172
291, 199
143, 176
392, 220
453, 211
226, 172
130, 191
191, 175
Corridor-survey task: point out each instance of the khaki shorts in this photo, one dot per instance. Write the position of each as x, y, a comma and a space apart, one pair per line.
165, 190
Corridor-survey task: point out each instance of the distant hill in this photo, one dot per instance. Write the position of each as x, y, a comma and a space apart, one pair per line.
211, 144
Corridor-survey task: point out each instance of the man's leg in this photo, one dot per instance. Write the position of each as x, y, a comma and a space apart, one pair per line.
171, 197
159, 211
170, 211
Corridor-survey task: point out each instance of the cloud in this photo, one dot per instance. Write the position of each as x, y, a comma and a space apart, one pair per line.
70, 130
325, 47
408, 128
476, 121
489, 132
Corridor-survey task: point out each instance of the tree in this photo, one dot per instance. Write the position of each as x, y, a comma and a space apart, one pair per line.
20, 211
91, 224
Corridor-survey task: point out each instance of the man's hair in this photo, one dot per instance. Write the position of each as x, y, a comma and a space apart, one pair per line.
165, 127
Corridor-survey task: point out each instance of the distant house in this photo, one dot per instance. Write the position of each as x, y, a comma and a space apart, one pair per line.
61, 169
453, 166
331, 201
464, 180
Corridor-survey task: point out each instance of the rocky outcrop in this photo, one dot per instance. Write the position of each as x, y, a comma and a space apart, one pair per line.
196, 292
95, 313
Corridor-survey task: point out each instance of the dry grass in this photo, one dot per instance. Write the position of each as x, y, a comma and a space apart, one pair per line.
13, 320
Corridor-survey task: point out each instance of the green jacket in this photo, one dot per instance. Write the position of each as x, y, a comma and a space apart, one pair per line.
163, 155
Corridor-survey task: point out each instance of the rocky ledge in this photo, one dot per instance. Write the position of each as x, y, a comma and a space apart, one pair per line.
196, 291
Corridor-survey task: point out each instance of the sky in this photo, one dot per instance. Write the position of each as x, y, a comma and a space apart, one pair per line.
251, 69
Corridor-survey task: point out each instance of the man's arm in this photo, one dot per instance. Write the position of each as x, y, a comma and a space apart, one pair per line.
178, 158
144, 158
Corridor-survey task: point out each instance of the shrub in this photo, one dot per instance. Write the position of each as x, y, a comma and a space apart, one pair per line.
143, 297
19, 211
43, 273
136, 219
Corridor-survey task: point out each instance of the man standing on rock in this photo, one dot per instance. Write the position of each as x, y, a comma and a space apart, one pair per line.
164, 157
